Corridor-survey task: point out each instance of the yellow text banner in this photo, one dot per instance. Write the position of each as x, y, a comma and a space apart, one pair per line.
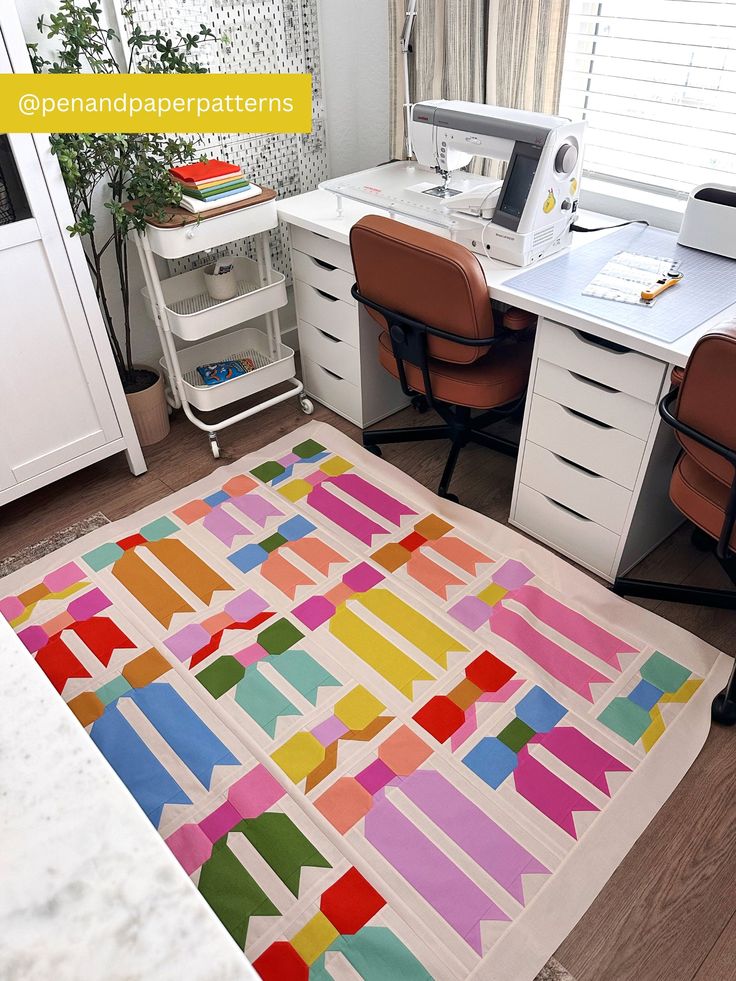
277, 103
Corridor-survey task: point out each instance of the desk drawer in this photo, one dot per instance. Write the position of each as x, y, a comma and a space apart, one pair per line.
593, 399
591, 444
321, 247
324, 276
594, 497
327, 312
330, 352
582, 539
334, 391
623, 370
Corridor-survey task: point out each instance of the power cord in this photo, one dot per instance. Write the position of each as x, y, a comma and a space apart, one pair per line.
604, 228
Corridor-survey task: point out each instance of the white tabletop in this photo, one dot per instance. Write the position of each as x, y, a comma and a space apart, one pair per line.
88, 888
317, 212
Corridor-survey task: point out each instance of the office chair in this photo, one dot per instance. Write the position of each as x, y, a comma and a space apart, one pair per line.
701, 408
429, 297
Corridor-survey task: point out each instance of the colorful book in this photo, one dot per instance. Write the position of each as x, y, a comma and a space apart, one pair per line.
201, 171
215, 191
222, 371
215, 182
198, 207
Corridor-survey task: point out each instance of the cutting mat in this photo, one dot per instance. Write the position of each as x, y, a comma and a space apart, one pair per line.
708, 287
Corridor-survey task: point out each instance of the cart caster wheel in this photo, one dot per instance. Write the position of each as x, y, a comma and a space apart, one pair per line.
374, 449
450, 497
214, 446
420, 404
307, 405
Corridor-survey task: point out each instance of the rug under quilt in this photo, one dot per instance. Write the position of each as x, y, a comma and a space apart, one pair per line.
386, 737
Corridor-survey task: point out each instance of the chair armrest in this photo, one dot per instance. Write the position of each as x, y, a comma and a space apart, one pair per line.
671, 419
729, 518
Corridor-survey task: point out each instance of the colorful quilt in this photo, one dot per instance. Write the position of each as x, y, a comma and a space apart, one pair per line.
385, 736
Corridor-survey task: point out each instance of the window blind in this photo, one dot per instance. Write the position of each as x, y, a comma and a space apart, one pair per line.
656, 82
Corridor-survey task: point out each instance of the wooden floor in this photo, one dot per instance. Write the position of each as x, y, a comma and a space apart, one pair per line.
669, 911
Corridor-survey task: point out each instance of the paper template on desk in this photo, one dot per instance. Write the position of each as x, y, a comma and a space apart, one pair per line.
627, 274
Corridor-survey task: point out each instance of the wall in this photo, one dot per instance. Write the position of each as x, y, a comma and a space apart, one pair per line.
354, 38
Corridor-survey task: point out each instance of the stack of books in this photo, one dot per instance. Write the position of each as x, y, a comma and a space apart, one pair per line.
212, 184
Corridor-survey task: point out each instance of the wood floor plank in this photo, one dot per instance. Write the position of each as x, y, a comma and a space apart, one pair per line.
720, 963
668, 902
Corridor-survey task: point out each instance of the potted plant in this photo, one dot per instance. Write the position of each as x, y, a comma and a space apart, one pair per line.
110, 170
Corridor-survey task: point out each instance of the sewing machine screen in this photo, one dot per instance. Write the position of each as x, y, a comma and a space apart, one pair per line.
519, 180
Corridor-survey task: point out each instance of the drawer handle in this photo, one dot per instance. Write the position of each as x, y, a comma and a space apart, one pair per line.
581, 415
328, 337
611, 346
577, 466
328, 372
332, 299
322, 264
594, 384
564, 507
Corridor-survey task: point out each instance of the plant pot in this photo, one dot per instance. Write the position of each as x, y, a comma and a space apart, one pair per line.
149, 410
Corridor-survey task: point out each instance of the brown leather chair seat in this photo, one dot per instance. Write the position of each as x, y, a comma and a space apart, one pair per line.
700, 496
499, 377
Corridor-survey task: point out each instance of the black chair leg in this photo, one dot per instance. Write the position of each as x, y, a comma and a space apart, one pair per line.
723, 709
447, 473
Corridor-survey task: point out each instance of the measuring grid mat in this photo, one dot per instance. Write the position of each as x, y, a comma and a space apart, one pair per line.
708, 286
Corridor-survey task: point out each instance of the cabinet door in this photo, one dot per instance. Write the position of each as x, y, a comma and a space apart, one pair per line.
54, 403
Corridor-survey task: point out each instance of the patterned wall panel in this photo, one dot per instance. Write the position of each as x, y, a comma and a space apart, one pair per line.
256, 36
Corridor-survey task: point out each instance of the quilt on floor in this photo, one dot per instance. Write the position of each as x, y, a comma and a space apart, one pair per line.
372, 738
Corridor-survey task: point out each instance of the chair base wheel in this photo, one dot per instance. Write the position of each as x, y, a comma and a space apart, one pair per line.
723, 711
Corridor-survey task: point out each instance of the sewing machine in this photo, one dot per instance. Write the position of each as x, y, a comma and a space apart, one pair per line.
520, 219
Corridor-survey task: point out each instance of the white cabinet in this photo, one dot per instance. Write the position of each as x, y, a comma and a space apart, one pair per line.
61, 402
337, 339
594, 457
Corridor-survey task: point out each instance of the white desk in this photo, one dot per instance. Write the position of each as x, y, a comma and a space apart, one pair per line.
594, 459
88, 888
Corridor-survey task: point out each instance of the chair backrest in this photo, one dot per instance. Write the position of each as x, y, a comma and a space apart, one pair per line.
707, 399
430, 279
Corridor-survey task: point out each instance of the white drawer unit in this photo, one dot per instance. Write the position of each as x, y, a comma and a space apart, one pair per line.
593, 398
329, 351
595, 497
337, 339
332, 389
321, 247
612, 365
587, 442
594, 458
328, 278
566, 530
317, 307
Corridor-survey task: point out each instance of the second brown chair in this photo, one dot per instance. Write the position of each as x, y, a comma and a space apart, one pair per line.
438, 337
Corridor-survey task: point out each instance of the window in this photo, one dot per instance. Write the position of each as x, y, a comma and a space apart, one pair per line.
656, 82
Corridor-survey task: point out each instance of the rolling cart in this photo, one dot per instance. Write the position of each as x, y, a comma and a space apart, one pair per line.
182, 308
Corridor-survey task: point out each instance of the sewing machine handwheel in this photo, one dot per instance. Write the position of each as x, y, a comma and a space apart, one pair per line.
420, 404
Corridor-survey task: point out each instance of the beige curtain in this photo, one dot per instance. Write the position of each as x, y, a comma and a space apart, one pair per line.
526, 47
503, 52
448, 60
